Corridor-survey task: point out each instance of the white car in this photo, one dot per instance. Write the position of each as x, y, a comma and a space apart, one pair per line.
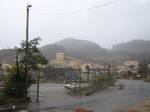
67, 86
72, 85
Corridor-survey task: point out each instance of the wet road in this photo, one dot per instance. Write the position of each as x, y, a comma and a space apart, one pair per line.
53, 98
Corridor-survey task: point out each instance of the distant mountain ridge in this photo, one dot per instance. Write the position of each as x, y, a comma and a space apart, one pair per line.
83, 49
50, 50
136, 46
74, 44
139, 49
7, 55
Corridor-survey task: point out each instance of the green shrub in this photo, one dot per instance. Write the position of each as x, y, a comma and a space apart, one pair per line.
147, 79
101, 82
15, 83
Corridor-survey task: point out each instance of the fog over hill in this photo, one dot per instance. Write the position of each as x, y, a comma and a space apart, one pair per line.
74, 44
139, 49
83, 49
7, 55
50, 50
134, 46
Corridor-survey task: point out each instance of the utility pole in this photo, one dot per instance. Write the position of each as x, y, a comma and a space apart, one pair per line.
148, 71
26, 52
40, 67
17, 60
38, 79
17, 65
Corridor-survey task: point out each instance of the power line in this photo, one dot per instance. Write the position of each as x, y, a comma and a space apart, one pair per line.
95, 7
82, 10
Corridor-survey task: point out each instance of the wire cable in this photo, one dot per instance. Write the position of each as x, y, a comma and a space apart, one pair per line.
82, 10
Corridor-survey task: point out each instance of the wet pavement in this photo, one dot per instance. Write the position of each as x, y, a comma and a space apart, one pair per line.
53, 98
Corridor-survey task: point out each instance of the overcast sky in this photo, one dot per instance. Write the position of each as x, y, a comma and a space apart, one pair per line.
102, 21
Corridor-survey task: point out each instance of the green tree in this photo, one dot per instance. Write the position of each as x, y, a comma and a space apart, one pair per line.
18, 82
34, 56
143, 67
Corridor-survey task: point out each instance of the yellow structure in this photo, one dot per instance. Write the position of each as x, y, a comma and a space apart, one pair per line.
84, 75
83, 67
60, 57
131, 63
129, 66
75, 64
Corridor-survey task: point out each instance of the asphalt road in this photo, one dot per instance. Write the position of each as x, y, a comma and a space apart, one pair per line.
53, 98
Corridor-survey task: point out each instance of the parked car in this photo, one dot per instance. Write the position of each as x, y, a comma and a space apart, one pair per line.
72, 85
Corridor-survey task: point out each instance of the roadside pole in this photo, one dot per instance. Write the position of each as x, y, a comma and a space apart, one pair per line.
148, 70
38, 79
17, 71
26, 52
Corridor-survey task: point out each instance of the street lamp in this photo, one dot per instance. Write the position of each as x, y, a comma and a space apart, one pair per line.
26, 51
